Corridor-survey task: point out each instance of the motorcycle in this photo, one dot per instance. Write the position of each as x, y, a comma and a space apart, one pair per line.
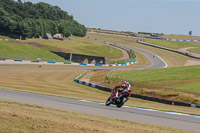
117, 98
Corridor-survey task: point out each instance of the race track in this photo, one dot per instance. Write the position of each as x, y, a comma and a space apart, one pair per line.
179, 121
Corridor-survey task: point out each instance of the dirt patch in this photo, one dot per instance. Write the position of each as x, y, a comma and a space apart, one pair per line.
192, 63
87, 76
185, 49
45, 47
37, 45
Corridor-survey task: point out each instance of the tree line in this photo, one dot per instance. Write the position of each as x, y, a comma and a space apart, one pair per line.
34, 20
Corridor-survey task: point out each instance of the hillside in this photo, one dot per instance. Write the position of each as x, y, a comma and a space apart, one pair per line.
83, 46
33, 20
31, 49
16, 50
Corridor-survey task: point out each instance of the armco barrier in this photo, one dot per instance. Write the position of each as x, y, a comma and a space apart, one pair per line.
179, 40
103, 88
66, 63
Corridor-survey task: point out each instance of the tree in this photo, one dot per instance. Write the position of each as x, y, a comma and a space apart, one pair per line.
19, 1
30, 19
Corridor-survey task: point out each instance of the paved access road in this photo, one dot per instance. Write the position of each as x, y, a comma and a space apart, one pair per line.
134, 114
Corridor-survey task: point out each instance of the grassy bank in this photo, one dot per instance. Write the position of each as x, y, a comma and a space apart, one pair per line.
85, 46
18, 117
178, 77
33, 48
14, 50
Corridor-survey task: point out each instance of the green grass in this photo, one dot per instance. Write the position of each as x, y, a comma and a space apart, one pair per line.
194, 50
180, 78
13, 50
174, 44
84, 46
193, 86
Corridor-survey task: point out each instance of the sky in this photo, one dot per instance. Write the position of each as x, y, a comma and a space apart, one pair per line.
157, 16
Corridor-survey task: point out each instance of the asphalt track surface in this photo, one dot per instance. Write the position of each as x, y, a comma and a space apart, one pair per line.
191, 123
133, 114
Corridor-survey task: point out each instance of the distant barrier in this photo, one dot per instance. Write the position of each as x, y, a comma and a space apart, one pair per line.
180, 40
66, 63
103, 88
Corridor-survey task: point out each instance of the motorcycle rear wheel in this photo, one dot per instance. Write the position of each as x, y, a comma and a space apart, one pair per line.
122, 103
108, 102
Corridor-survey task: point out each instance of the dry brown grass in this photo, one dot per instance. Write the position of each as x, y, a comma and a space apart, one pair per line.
58, 82
25, 118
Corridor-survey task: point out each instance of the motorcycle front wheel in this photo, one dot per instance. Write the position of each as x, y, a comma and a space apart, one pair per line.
122, 103
108, 102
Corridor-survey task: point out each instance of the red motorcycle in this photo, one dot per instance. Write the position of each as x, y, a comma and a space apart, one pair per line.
118, 97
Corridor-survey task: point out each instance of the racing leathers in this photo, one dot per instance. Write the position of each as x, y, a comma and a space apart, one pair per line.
125, 92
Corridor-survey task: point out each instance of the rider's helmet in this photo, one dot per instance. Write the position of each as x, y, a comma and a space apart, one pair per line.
126, 83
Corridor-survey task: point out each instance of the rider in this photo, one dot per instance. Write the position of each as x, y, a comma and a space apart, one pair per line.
126, 91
